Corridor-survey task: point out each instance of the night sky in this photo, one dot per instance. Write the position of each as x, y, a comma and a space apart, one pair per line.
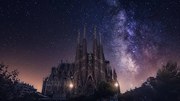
139, 36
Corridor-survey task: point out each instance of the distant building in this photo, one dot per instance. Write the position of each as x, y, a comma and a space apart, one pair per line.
83, 76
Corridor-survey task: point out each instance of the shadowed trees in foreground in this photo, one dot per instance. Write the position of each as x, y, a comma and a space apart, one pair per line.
164, 87
12, 89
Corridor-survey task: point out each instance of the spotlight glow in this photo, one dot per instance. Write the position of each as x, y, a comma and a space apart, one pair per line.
71, 85
116, 84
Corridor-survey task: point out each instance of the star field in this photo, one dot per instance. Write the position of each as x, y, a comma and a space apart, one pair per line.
138, 36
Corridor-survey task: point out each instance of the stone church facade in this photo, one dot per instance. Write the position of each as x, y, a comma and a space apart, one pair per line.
83, 75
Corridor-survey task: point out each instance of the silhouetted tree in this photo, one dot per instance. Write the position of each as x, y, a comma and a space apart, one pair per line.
11, 88
165, 87
7, 82
168, 79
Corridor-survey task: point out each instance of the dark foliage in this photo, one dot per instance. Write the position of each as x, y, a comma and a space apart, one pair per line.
12, 89
106, 89
165, 87
105, 92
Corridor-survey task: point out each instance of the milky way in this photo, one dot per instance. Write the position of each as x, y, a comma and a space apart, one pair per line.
136, 46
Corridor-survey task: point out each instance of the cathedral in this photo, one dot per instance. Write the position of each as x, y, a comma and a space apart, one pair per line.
83, 76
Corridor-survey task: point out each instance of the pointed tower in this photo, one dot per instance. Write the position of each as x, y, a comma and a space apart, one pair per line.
95, 45
114, 75
101, 52
77, 60
78, 50
84, 43
101, 59
84, 57
116, 81
95, 58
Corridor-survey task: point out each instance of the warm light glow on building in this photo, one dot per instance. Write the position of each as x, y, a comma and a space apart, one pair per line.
116, 84
71, 85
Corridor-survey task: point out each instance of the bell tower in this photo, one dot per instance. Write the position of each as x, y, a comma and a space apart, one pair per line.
84, 57
78, 49
95, 57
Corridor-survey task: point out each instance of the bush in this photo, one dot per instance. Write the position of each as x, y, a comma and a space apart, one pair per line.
106, 89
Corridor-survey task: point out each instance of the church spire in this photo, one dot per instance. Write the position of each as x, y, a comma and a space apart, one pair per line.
95, 36
84, 44
95, 45
101, 52
77, 57
100, 38
84, 57
84, 33
78, 38
114, 75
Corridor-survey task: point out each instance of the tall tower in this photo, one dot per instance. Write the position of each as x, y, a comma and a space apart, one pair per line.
77, 60
101, 52
78, 49
114, 75
84, 57
101, 59
95, 44
96, 57
84, 43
